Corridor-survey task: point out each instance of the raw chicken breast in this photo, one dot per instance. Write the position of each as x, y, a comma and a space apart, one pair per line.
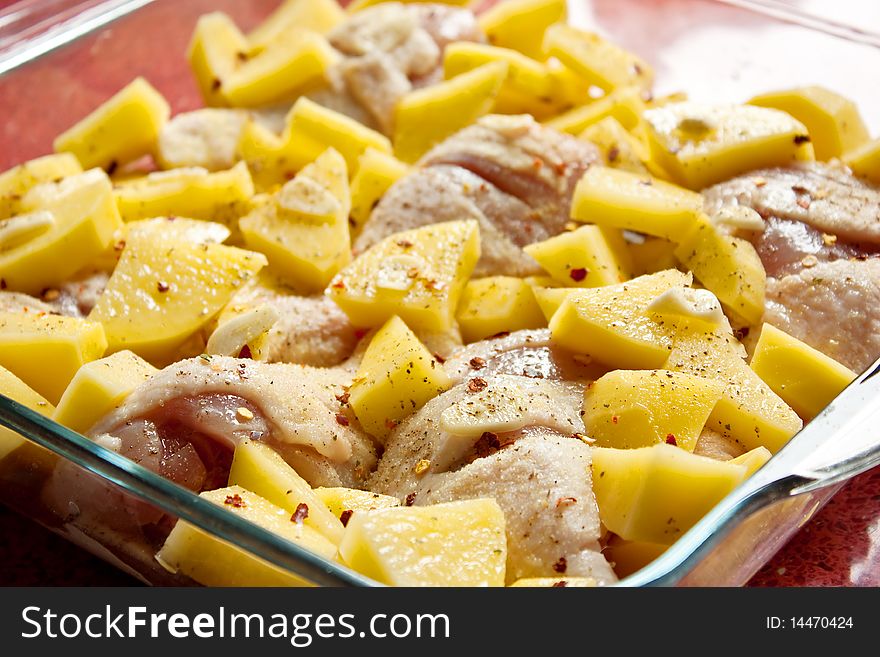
515, 439
509, 173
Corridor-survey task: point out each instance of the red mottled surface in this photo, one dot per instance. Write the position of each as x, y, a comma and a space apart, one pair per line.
839, 547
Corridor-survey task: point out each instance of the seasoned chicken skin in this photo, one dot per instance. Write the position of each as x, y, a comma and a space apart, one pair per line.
515, 439
820, 246
512, 175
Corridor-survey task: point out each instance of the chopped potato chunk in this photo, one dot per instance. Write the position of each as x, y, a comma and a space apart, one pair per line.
318, 15
18, 390
163, 291
214, 53
46, 351
834, 123
621, 199
587, 257
17, 181
700, 145
497, 304
100, 386
454, 544
376, 172
620, 149
624, 105
214, 562
611, 324
655, 494
639, 408
521, 24
805, 378
865, 161
260, 469
396, 377
123, 129
417, 274
427, 116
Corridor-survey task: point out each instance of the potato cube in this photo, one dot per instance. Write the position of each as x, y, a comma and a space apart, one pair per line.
376, 172
619, 148
45, 351
550, 298
587, 257
427, 116
612, 325
620, 199
595, 59
805, 378
310, 129
453, 544
834, 123
700, 145
341, 500
304, 231
521, 24
624, 105
83, 220
100, 386
214, 53
163, 291
748, 411
728, 266
417, 274
287, 66
864, 161
318, 15
123, 129
639, 408
214, 562
555, 582
17, 181
259, 468
206, 138
496, 304
222, 196
655, 494
528, 88
396, 377
18, 390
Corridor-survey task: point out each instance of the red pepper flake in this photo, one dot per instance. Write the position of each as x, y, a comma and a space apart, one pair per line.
803, 202
343, 398
561, 566
301, 513
439, 358
613, 154
338, 285
561, 168
410, 499
565, 501
162, 286
216, 83
391, 424
561, 584
537, 163
487, 445
342, 419
477, 363
670, 439
578, 274
245, 352
477, 385
235, 500
345, 516
614, 419
404, 244
360, 333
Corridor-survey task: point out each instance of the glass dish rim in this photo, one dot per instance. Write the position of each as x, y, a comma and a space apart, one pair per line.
186, 505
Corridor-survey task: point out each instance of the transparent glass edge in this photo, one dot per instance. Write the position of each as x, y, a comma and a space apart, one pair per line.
65, 32
173, 499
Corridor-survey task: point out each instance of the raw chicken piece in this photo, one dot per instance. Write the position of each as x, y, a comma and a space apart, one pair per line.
514, 439
717, 446
220, 400
389, 50
820, 248
509, 173
311, 330
523, 353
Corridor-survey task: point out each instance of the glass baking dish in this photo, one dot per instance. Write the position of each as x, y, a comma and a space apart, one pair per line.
712, 50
